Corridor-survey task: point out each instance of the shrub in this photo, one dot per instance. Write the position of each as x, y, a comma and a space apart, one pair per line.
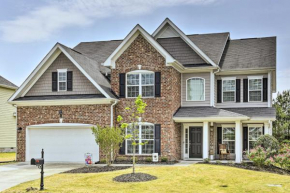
136, 159
231, 162
148, 159
164, 159
103, 161
268, 142
244, 163
218, 162
258, 155
122, 159
206, 160
283, 158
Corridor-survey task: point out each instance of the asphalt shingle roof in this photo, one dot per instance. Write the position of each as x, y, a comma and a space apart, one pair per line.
5, 82
93, 68
180, 51
251, 112
60, 97
249, 53
205, 112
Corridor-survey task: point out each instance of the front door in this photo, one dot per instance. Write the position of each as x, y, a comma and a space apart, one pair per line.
195, 142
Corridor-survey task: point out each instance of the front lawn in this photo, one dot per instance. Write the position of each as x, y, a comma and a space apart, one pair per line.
193, 178
5, 157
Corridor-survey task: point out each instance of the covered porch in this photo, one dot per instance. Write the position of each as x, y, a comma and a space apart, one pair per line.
204, 128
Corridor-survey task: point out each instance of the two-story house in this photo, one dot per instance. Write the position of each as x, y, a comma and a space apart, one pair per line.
202, 90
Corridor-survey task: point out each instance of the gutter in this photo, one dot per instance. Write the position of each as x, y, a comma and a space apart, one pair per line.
112, 112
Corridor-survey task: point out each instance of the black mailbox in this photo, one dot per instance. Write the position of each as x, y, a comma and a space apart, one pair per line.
37, 161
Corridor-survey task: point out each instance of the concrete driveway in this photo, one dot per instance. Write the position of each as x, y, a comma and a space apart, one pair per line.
14, 174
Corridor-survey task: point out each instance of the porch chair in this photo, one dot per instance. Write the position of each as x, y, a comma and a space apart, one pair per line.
224, 151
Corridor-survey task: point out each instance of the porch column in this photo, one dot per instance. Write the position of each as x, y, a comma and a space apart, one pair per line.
266, 128
238, 142
205, 140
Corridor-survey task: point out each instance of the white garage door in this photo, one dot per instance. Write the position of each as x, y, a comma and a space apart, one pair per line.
61, 144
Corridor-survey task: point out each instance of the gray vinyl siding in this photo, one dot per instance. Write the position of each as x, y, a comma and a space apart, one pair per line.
239, 104
81, 85
185, 76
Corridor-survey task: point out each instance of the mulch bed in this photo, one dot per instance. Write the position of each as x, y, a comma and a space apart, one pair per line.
137, 177
142, 162
97, 169
250, 166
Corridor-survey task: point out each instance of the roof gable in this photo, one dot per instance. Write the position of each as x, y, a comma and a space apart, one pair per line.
167, 22
6, 83
85, 65
127, 42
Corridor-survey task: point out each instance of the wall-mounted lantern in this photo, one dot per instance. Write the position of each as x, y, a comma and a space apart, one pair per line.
60, 116
19, 129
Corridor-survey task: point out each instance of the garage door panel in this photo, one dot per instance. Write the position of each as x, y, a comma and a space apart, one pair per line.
62, 144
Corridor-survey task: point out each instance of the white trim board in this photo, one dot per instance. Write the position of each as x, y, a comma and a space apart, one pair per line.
43, 66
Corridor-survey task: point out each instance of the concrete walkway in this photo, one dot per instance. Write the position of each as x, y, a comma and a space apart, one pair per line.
14, 174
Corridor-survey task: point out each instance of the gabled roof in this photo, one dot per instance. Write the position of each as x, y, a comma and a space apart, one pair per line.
110, 61
90, 68
253, 53
212, 45
186, 39
6, 83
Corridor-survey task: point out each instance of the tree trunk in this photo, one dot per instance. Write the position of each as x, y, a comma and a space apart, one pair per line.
134, 147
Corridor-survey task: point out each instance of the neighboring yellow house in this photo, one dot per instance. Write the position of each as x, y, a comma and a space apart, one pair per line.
7, 117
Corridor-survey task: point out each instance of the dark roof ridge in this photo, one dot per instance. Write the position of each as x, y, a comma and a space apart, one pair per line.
209, 33
254, 38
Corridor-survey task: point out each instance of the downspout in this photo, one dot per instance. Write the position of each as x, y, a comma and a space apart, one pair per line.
16, 132
112, 112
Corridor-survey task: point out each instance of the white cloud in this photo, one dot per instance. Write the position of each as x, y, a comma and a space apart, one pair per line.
43, 22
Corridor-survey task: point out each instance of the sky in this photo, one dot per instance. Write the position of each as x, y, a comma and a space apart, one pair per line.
30, 28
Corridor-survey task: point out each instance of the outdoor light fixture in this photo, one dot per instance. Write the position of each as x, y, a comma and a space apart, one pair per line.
60, 116
19, 129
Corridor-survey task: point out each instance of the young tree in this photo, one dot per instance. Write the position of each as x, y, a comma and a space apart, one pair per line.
109, 140
133, 117
281, 127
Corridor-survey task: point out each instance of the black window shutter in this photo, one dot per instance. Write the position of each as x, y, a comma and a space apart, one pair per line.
245, 90
54, 81
219, 91
263, 130
238, 90
157, 139
157, 84
265, 89
122, 82
219, 138
245, 138
122, 148
69, 80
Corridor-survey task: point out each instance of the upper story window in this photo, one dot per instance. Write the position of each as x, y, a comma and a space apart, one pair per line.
195, 89
229, 89
140, 82
62, 79
144, 133
255, 88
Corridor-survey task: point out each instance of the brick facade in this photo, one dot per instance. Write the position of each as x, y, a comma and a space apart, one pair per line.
87, 114
160, 110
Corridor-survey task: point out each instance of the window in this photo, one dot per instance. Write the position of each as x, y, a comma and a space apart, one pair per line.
195, 89
145, 133
62, 79
255, 89
229, 90
254, 134
186, 141
229, 138
140, 83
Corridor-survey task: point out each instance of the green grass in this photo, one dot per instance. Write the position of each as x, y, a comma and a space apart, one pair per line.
4, 157
193, 178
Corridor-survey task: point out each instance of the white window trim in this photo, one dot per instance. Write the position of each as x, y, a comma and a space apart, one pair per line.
58, 71
140, 72
140, 135
229, 78
229, 126
249, 126
253, 78
203, 89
